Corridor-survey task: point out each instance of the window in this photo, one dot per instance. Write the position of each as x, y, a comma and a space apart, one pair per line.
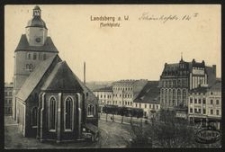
28, 56
211, 111
199, 110
195, 100
190, 100
136, 105
68, 113
196, 110
139, 105
217, 102
34, 56
145, 106
52, 115
211, 101
199, 101
91, 110
34, 117
217, 112
203, 101
191, 110
44, 56
29, 67
10, 93
204, 111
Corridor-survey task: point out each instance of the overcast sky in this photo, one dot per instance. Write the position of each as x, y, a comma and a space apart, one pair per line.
138, 49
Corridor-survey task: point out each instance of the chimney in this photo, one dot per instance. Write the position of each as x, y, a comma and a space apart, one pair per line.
84, 73
214, 69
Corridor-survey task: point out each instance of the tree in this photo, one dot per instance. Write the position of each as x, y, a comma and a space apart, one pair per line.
170, 132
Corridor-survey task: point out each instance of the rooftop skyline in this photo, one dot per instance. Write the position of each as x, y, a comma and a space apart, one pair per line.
138, 49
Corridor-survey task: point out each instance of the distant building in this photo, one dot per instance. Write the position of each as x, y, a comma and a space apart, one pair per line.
8, 99
50, 102
205, 104
131, 93
125, 91
105, 96
178, 79
148, 99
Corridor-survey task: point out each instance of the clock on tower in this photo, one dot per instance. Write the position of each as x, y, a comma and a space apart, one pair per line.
36, 30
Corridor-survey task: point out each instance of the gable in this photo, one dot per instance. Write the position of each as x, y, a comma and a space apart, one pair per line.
47, 47
61, 78
35, 77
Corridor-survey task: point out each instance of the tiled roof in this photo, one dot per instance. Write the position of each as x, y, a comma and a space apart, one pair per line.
34, 78
216, 86
47, 47
211, 75
149, 94
199, 89
138, 86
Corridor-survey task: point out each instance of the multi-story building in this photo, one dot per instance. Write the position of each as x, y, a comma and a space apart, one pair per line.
148, 99
178, 79
131, 93
8, 99
205, 104
105, 96
125, 91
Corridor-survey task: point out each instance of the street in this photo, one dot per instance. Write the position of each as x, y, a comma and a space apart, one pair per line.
113, 135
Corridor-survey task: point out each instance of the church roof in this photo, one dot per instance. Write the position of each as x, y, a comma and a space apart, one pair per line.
61, 78
36, 22
47, 47
34, 78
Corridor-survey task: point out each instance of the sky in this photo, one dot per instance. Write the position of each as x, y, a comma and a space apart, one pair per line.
138, 49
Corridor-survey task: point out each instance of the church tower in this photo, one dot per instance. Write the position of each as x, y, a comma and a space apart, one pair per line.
36, 30
34, 47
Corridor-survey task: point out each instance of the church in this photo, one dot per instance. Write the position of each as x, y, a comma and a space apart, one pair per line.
50, 103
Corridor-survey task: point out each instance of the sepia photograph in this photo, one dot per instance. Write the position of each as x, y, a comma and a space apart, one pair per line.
112, 76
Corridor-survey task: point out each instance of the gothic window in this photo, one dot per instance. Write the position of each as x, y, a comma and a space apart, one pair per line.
34, 117
34, 56
44, 56
68, 109
28, 56
29, 67
52, 114
91, 110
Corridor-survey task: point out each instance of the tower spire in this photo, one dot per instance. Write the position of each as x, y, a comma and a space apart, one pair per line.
181, 56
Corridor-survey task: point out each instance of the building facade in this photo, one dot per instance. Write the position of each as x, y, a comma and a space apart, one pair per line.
205, 104
49, 101
8, 99
125, 91
178, 79
131, 93
148, 99
105, 96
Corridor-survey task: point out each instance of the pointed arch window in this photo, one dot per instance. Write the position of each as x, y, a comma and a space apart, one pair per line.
52, 114
44, 56
34, 117
28, 56
34, 56
91, 110
68, 114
